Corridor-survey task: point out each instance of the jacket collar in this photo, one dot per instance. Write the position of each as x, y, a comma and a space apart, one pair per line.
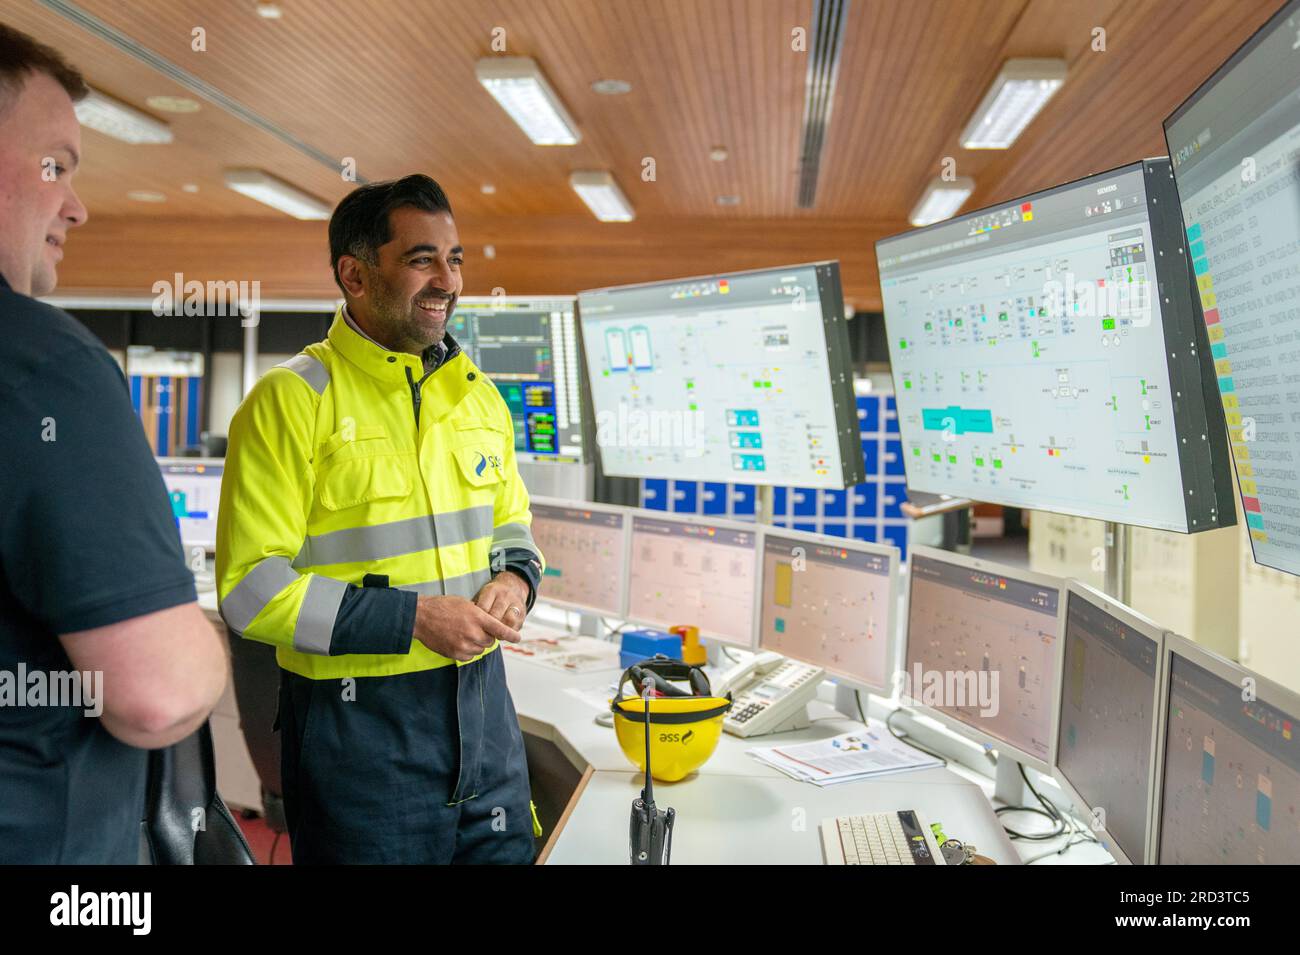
4, 283
454, 377
375, 359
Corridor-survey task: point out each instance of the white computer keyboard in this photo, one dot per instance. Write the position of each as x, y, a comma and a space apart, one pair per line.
880, 838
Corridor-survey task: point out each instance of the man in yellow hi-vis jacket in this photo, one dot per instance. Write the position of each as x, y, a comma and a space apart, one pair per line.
373, 527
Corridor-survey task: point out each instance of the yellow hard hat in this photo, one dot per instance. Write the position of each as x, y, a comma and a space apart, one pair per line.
685, 725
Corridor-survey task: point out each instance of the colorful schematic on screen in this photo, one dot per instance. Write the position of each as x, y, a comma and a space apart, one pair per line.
830, 606
743, 377
1030, 351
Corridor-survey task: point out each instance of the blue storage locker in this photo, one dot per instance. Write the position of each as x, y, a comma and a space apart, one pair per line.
894, 457
743, 500
894, 494
804, 501
654, 494
685, 497
868, 414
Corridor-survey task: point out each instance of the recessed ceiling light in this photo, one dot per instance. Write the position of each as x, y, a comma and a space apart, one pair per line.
276, 193
728, 200
611, 87
144, 195
269, 11
189, 187
718, 153
173, 104
1020, 91
114, 118
520, 88
487, 189
489, 251
941, 200
603, 196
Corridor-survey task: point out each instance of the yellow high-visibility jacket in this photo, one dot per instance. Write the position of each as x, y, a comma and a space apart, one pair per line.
329, 478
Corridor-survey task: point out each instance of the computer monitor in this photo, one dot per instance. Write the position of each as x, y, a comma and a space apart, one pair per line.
194, 486
529, 348
1228, 772
585, 548
1106, 725
981, 653
833, 603
1233, 147
685, 570
744, 377
1045, 354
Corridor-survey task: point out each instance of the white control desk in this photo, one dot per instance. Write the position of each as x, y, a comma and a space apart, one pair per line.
734, 809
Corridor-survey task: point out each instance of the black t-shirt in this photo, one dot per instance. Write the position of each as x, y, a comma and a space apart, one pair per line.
87, 539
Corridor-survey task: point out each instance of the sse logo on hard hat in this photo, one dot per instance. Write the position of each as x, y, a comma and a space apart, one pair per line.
682, 738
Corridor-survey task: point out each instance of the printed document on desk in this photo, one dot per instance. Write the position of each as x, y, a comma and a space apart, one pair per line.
863, 754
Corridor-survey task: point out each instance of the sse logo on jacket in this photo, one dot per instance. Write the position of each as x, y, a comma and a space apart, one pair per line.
487, 461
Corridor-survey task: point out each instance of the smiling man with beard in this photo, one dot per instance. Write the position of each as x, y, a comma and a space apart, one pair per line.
373, 528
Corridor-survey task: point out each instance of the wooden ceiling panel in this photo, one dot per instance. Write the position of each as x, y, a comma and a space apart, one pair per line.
1113, 103
900, 94
129, 255
205, 143
391, 83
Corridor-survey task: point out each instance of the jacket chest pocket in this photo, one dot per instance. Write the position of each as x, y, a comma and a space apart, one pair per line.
359, 465
478, 447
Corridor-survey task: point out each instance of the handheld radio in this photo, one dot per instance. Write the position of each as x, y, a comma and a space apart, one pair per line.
651, 828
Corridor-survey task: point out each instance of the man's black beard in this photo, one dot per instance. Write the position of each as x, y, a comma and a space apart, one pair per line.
397, 315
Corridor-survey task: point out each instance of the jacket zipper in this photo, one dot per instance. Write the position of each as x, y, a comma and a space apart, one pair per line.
415, 394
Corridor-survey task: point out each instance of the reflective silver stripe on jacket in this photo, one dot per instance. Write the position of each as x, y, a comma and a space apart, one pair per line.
464, 585
320, 607
258, 588
310, 370
513, 535
396, 538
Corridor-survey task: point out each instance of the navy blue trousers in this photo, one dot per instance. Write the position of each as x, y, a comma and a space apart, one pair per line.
419, 768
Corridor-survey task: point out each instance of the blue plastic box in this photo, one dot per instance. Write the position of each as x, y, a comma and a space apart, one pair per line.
640, 645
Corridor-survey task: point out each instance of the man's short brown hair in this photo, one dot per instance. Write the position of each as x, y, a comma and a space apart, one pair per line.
21, 56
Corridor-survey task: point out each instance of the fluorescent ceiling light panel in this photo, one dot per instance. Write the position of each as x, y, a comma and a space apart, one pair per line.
126, 123
1019, 93
941, 200
603, 196
518, 85
276, 193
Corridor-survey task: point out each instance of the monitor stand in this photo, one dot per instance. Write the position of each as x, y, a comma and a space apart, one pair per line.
589, 625
1009, 785
846, 702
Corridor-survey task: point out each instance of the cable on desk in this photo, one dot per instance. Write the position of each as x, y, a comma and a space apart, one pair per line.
1081, 836
903, 737
1048, 810
1056, 833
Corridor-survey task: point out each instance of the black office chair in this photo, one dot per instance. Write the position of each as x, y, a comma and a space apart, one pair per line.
256, 676
186, 822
